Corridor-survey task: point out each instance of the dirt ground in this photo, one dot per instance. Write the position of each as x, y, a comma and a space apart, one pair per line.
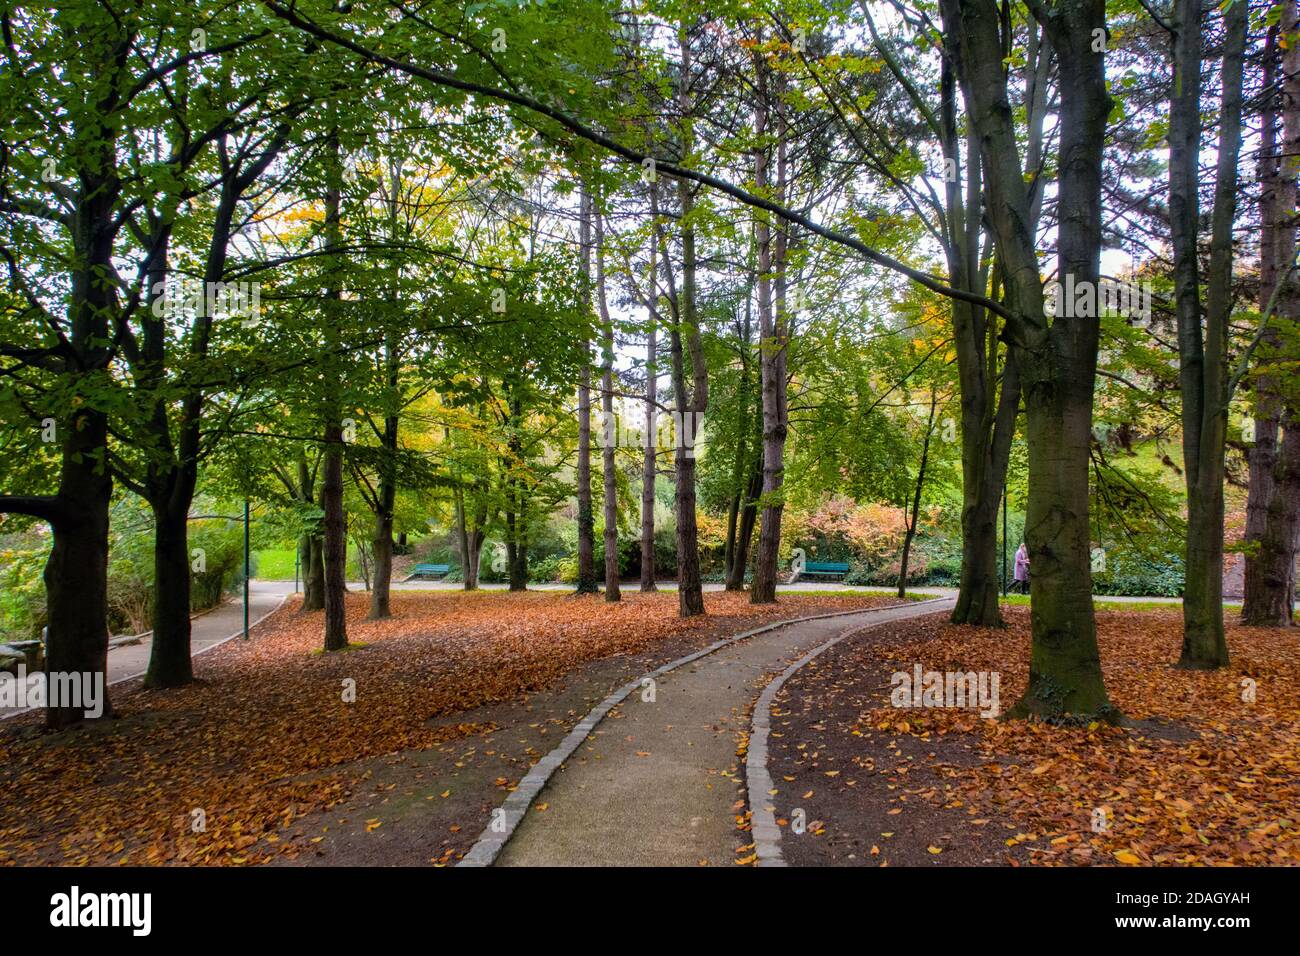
1204, 770
393, 751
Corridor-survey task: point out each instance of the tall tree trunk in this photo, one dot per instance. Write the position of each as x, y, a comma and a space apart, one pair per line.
608, 446
475, 545
729, 545
517, 501
172, 478
335, 548
1203, 350
516, 541
988, 407
382, 545
519, 561
690, 590
469, 570
916, 500
1262, 453
313, 572
689, 587
334, 551
773, 349
740, 517
1273, 504
1057, 362
385, 502
1065, 667
385, 498
76, 573
987, 432
309, 543
169, 651
586, 518
690, 403
748, 520
169, 485
649, 463
1274, 580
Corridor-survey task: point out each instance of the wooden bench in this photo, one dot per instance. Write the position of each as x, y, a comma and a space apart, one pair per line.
429, 570
825, 569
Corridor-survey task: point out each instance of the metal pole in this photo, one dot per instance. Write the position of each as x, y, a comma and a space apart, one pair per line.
247, 568
1004, 540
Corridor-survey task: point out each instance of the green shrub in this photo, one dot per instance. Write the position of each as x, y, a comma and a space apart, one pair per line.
1140, 572
222, 544
22, 590
547, 570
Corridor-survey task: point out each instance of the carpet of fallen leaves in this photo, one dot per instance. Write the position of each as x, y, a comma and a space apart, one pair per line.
1200, 775
264, 736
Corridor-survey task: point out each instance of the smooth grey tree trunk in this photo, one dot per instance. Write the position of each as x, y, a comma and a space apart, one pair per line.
609, 445
586, 518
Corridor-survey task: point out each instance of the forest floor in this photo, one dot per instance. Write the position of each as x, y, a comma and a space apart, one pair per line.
262, 759
1202, 771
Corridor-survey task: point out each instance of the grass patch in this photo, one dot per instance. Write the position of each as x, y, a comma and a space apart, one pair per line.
350, 646
274, 564
1101, 603
277, 564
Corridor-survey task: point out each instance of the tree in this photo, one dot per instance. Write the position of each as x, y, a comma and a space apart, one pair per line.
86, 187
608, 446
586, 519
773, 335
1056, 362
1273, 509
1203, 329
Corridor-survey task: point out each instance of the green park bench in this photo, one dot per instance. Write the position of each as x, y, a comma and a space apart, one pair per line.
825, 569
429, 570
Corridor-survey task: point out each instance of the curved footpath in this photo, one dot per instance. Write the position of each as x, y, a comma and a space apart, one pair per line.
653, 782
225, 622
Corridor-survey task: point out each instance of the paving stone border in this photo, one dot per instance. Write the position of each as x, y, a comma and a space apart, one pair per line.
758, 782
230, 637
507, 818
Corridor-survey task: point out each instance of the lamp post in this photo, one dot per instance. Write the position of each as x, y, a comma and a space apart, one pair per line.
247, 568
1004, 540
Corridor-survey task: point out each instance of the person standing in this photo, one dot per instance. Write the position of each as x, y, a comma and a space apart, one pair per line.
1022, 570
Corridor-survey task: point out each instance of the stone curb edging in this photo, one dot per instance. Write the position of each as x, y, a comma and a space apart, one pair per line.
491, 842
123, 639
231, 637
762, 818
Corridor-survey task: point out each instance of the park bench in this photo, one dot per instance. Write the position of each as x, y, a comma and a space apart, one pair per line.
825, 569
429, 570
